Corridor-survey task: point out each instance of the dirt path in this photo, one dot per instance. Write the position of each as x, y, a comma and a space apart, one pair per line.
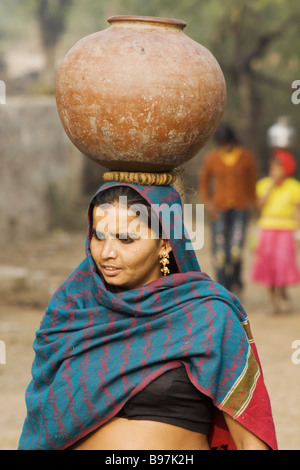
44, 264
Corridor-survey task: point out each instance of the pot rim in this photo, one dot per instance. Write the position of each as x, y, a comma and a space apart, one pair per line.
148, 19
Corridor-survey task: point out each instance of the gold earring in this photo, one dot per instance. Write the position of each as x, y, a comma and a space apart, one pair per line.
164, 260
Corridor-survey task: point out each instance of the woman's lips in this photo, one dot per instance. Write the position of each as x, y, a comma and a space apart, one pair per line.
110, 270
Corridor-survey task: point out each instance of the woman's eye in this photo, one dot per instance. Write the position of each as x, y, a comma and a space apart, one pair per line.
126, 238
99, 235
123, 237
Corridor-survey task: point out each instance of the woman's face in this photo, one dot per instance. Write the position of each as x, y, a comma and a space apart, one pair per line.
124, 249
277, 171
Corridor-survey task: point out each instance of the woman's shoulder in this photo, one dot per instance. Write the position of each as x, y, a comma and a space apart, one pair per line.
292, 186
265, 180
264, 183
292, 182
212, 291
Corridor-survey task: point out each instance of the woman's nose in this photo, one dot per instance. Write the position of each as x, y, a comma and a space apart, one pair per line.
109, 249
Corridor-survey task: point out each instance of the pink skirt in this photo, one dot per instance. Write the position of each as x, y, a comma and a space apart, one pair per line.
275, 259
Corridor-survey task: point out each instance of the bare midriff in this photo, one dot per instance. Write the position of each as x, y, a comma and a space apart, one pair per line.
124, 434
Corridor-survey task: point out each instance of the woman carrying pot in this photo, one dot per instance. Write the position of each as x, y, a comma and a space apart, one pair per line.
138, 348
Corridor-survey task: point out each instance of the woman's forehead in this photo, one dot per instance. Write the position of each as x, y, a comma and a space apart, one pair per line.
117, 217
119, 210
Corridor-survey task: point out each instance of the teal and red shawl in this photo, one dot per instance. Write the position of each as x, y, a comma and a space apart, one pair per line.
95, 349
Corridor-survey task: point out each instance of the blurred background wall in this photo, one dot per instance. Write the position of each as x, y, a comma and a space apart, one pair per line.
40, 170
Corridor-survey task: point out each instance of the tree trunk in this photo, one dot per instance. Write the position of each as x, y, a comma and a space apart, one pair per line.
49, 71
250, 111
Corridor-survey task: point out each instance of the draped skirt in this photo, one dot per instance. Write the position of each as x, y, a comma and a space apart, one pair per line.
275, 259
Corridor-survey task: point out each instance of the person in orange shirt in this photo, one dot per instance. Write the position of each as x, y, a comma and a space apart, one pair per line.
227, 189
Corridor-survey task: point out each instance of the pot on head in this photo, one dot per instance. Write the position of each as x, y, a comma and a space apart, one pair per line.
140, 95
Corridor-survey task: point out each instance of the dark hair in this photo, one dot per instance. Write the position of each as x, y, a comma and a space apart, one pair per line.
225, 135
113, 194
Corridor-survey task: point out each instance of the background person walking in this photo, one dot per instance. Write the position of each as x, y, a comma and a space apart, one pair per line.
275, 259
227, 189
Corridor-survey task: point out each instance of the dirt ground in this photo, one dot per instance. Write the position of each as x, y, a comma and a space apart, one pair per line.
30, 272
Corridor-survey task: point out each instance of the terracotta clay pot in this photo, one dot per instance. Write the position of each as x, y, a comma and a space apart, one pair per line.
140, 95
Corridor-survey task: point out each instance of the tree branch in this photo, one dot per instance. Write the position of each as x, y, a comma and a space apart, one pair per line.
266, 39
272, 81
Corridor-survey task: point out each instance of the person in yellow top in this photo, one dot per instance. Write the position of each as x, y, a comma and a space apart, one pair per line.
275, 258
